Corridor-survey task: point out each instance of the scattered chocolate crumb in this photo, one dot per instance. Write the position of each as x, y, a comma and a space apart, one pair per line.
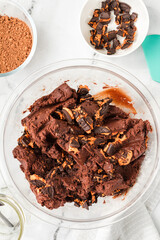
24, 111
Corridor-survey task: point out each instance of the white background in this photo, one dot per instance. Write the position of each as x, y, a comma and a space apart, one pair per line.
59, 38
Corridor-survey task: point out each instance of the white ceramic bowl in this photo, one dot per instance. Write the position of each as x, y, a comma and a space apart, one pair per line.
142, 24
13, 9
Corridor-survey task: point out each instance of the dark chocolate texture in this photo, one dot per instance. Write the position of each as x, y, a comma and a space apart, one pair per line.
101, 38
75, 148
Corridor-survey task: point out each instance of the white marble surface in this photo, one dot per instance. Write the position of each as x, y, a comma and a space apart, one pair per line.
59, 37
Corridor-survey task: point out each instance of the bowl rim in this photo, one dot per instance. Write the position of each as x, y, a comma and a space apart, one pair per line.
25, 83
125, 53
34, 37
17, 208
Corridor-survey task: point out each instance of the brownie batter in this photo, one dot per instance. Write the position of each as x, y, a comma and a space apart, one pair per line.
75, 148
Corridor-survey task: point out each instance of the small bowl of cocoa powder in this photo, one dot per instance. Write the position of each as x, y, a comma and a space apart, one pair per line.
18, 37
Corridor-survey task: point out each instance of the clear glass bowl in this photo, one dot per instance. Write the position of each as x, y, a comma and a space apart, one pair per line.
95, 74
13, 212
13, 9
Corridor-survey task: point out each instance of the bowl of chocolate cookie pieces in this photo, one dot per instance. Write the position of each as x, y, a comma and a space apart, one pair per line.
114, 28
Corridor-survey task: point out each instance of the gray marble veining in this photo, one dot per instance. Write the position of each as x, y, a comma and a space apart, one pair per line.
59, 37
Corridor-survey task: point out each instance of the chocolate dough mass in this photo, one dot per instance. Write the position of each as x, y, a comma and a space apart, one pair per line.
75, 148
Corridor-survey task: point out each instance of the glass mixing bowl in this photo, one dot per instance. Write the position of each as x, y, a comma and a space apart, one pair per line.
13, 212
95, 74
13, 9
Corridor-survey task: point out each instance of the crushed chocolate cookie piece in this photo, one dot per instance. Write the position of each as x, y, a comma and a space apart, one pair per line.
86, 124
92, 40
85, 97
85, 205
48, 190
76, 148
134, 16
92, 32
118, 20
102, 130
37, 183
77, 202
105, 15
37, 180
125, 18
103, 108
111, 51
83, 90
99, 28
129, 38
112, 147
130, 31
105, 22
107, 45
82, 118
117, 11
121, 32
97, 39
84, 139
116, 43
74, 143
105, 5
99, 141
92, 24
125, 158
96, 13
68, 115
104, 29
126, 44
125, 8
124, 26
111, 35
104, 101
114, 5
94, 19
24, 140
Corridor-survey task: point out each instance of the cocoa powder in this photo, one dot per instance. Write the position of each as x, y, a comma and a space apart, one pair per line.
15, 43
